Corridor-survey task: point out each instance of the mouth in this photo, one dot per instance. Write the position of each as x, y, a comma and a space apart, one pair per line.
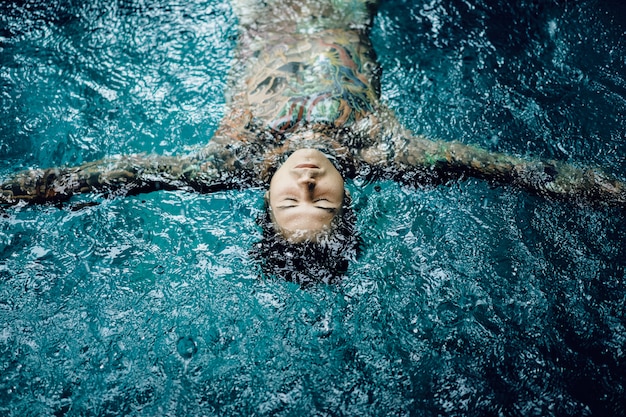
309, 166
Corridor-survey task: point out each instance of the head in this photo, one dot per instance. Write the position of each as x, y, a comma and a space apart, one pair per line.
305, 196
308, 227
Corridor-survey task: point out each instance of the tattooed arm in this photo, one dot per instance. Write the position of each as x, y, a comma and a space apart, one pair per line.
214, 168
553, 179
415, 159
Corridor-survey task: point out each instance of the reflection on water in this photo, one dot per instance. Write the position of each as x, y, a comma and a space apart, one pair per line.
467, 300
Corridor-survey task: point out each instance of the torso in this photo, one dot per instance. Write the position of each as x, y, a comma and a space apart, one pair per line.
294, 79
328, 78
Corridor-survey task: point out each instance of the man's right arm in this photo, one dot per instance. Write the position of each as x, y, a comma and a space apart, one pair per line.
415, 160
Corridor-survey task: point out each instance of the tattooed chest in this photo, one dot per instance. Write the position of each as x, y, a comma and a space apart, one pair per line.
320, 81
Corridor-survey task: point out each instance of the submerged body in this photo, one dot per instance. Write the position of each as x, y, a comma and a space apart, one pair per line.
305, 77
466, 299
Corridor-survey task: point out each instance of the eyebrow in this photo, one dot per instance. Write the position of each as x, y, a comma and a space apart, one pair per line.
329, 209
297, 200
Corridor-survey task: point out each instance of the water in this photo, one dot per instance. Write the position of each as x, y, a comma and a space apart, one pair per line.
466, 300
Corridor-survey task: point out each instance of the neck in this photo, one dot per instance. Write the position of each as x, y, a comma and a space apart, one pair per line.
309, 138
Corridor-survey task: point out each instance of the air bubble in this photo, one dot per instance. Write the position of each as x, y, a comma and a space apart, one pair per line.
186, 347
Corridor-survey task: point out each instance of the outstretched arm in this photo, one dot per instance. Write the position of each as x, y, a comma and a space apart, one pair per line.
212, 169
437, 161
553, 179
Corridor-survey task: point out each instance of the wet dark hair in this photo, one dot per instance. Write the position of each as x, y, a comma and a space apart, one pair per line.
323, 260
326, 258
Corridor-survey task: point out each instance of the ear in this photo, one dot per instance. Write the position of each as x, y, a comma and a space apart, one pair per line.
347, 198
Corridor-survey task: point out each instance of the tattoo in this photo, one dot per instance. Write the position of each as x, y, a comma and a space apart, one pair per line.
327, 79
209, 170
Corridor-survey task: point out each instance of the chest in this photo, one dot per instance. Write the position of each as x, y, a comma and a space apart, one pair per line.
328, 79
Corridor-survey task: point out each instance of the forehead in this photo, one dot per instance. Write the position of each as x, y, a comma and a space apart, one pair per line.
303, 222
302, 217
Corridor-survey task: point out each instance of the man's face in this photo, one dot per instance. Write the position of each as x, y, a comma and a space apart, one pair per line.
305, 194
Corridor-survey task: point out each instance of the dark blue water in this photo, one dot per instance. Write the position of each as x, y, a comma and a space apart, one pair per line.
466, 300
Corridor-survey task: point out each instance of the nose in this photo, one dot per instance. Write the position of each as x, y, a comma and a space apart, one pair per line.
308, 182
307, 178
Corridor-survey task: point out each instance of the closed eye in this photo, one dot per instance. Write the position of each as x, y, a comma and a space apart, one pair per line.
331, 210
291, 202
288, 202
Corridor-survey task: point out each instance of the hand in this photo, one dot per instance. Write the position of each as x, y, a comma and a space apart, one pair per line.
556, 179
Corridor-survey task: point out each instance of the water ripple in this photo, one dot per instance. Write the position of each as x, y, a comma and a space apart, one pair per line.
466, 300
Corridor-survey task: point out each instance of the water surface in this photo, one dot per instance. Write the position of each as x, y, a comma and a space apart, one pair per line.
466, 300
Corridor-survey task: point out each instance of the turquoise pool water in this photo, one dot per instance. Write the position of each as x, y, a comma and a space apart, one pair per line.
466, 300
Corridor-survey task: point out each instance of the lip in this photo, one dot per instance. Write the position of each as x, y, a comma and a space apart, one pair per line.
307, 166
